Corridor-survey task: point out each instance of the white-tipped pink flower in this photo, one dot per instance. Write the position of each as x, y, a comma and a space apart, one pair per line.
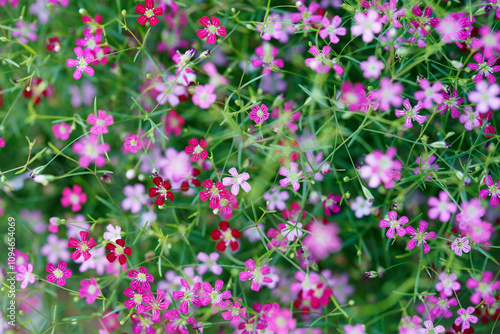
292, 176
236, 181
84, 58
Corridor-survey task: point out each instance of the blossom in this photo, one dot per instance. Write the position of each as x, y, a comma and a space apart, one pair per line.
25, 31
83, 59
361, 207
485, 289
267, 55
354, 329
196, 149
204, 96
331, 204
54, 45
465, 317
471, 119
84, 96
74, 197
234, 312
157, 304
189, 295
148, 12
409, 325
459, 245
394, 224
236, 181
488, 41
226, 236
454, 27
114, 233
323, 238
58, 274
214, 193
136, 197
137, 299
61, 130
422, 20
118, 250
25, 275
420, 236
211, 30
55, 249
282, 321
276, 199
209, 262
392, 13
161, 190
141, 278
367, 24
320, 61
380, 167
484, 68
176, 323
332, 29
447, 284
132, 144
173, 123
485, 96
90, 150
89, 289
430, 329
259, 114
388, 94
291, 176
426, 165
411, 113
441, 207
214, 296
83, 246
288, 153
306, 14
256, 274
270, 28
371, 67
493, 191
100, 122
170, 91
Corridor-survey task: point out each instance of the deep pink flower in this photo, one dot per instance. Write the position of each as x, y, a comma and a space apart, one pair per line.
420, 236
148, 12
132, 144
212, 29
452, 102
282, 321
331, 204
2, 142
162, 190
157, 304
141, 278
90, 150
493, 191
58, 274
320, 61
61, 130
196, 149
137, 299
213, 193
465, 317
256, 274
394, 224
74, 197
485, 289
454, 27
484, 68
488, 41
259, 114
83, 59
292, 176
83, 246
214, 296
424, 19
411, 113
176, 323
288, 117
332, 29
173, 123
188, 296
391, 13
89, 289
234, 312
100, 122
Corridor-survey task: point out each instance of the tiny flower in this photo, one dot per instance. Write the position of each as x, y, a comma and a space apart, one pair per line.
100, 122
361, 207
367, 24
465, 317
447, 284
196, 149
148, 13
209, 262
54, 45
236, 181
276, 199
226, 236
73, 197
267, 58
420, 236
471, 119
288, 153
189, 295
426, 165
430, 329
452, 102
306, 15
61, 130
83, 246
441, 207
25, 275
136, 198
234, 312
259, 114
161, 190
214, 193
256, 274
485, 289
83, 59
211, 30
394, 224
292, 176
118, 251
204, 96
484, 68
137, 298
132, 144
371, 67
271, 28
332, 29
141, 278
90, 150
411, 113
460, 245
214, 296
331, 204
380, 167
485, 96
320, 60
155, 305
493, 191
89, 289
291, 230
58, 274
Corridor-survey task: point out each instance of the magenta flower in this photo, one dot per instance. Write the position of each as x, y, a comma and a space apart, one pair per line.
332, 29
137, 299
420, 237
424, 19
485, 289
392, 13
292, 176
331, 204
61, 130
371, 67
132, 144
90, 150
173, 123
214, 296
208, 262
189, 295
485, 96
267, 55
488, 41
484, 68
196, 149
493, 191
204, 96
176, 323
141, 278
389, 94
100, 122
411, 113
89, 289
320, 60
83, 247
447, 284
429, 93
157, 304
441, 207
367, 24
259, 114
58, 274
394, 224
2, 142
148, 12
234, 312
75, 198
323, 238
452, 102
442, 306
306, 14
213, 193
256, 274
465, 317
460, 245
25, 275
236, 181
212, 29
454, 27
380, 167
83, 59
471, 119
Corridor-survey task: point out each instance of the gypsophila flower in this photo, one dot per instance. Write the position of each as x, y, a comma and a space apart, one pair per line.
430, 329
371, 67
25, 275
211, 30
332, 29
493, 191
441, 207
83, 246
411, 113
394, 224
292, 176
447, 284
465, 317
74, 198
259, 114
256, 274
485, 96
58, 274
236, 181
214, 296
81, 63
367, 24
148, 12
361, 207
208, 262
460, 245
471, 119
132, 144
89, 290
420, 237
141, 278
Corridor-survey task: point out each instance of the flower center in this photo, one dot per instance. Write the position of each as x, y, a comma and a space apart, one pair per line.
82, 63
119, 250
198, 149
260, 113
212, 29
214, 191
91, 290
149, 13
394, 223
141, 277
84, 247
58, 273
137, 298
75, 199
494, 190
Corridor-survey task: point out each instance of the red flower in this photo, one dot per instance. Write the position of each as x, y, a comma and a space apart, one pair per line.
118, 251
82, 247
161, 190
212, 29
37, 89
54, 45
288, 153
190, 179
227, 237
196, 149
148, 12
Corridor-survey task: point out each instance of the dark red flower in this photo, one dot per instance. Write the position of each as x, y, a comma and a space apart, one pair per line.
458, 330
37, 89
54, 45
118, 251
161, 190
148, 13
226, 236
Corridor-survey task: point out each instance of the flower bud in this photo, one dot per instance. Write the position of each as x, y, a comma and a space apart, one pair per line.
124, 12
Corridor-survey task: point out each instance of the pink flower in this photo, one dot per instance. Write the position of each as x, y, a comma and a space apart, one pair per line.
58, 274
426, 165
388, 94
371, 67
214, 296
83, 247
83, 59
25, 275
409, 325
391, 12
447, 284
256, 274
354, 329
271, 28
189, 295
90, 150
196, 150
204, 96
331, 204
212, 29
132, 144
89, 289
420, 236
288, 117
61, 130
208, 262
173, 123
411, 113
267, 55
236, 181
380, 167
306, 14
454, 27
148, 13
485, 96
282, 321
429, 93
484, 289
493, 191
471, 119
74, 197
460, 245
136, 198
332, 29
423, 19
484, 68
323, 238
489, 41
213, 193
394, 224
2, 142
465, 317
452, 102
318, 63
441, 207
367, 24
141, 278
430, 329
292, 176
234, 312
155, 305
100, 122
137, 299
176, 323
259, 114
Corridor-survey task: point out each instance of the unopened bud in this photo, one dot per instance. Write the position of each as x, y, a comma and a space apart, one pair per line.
4, 39
82, 11
124, 12
371, 274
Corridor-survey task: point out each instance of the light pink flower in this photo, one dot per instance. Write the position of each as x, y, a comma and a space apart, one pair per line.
485, 96
447, 284
61, 130
89, 289
204, 96
90, 150
389, 94
380, 167
420, 237
441, 207
236, 181
320, 60
267, 55
465, 317
485, 289
100, 122
25, 31
332, 29
371, 67
306, 14
208, 262
460, 245
270, 28
114, 232
58, 274
25, 275
74, 197
292, 176
430, 329
367, 24
429, 93
81, 63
